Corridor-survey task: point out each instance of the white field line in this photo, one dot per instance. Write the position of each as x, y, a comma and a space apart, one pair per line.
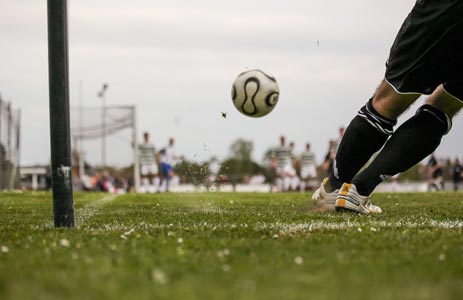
288, 227
84, 213
311, 226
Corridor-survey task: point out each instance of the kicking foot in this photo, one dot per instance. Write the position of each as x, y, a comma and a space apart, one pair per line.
350, 200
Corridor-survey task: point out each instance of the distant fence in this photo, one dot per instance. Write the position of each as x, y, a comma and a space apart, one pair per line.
9, 145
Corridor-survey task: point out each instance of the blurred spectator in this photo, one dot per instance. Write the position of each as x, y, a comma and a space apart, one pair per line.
329, 157
434, 174
457, 174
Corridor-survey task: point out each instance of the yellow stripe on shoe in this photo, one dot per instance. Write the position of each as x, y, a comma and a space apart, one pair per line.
325, 181
345, 189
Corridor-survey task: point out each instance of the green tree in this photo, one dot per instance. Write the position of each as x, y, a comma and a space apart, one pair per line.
242, 150
240, 164
192, 172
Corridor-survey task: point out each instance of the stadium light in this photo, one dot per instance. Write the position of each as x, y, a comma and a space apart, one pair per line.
60, 133
102, 94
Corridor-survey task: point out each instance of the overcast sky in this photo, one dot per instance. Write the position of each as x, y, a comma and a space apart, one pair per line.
176, 61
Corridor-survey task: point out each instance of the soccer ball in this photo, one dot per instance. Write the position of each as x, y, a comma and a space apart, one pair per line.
255, 93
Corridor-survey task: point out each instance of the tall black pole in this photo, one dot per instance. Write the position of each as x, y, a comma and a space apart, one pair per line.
63, 203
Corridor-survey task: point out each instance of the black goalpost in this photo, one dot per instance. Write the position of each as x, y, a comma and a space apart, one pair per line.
60, 136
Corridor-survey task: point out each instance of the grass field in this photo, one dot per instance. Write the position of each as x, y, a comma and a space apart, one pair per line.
231, 246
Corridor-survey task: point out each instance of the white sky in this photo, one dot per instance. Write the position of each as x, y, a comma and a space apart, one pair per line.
176, 61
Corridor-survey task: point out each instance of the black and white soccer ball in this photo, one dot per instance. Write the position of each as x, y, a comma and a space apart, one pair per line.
255, 93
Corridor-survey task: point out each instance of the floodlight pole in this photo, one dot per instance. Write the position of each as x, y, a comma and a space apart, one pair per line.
102, 95
136, 160
81, 129
60, 133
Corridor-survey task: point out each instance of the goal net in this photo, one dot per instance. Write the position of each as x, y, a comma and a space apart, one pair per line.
9, 146
97, 125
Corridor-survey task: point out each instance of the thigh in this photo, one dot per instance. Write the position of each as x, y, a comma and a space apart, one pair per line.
444, 101
144, 170
153, 169
428, 49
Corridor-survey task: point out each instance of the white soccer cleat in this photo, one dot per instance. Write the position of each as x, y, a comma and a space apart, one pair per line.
324, 200
350, 200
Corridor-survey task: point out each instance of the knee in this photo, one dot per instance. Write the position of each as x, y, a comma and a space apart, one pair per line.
389, 103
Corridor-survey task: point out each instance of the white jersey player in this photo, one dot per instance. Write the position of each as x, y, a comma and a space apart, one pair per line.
148, 163
284, 166
308, 166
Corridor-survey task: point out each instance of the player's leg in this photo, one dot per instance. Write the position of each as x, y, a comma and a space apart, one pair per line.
279, 183
426, 52
304, 179
415, 139
144, 184
153, 169
149, 178
287, 177
368, 132
162, 177
430, 182
286, 182
169, 175
144, 178
156, 182
308, 174
279, 179
295, 182
442, 183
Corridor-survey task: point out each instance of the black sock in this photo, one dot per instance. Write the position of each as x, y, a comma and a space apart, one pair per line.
365, 135
412, 142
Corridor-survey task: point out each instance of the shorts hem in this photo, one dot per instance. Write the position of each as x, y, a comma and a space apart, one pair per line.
403, 93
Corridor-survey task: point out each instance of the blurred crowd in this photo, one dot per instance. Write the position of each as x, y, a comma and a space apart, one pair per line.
284, 171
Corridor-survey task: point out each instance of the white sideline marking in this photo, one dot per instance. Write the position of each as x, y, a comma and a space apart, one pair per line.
290, 227
311, 226
84, 213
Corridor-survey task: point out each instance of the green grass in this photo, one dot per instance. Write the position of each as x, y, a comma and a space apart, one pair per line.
231, 246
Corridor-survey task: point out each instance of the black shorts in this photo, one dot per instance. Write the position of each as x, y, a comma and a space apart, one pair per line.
437, 173
428, 50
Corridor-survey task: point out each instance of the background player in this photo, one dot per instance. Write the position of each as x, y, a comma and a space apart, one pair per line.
308, 167
167, 157
282, 160
148, 164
